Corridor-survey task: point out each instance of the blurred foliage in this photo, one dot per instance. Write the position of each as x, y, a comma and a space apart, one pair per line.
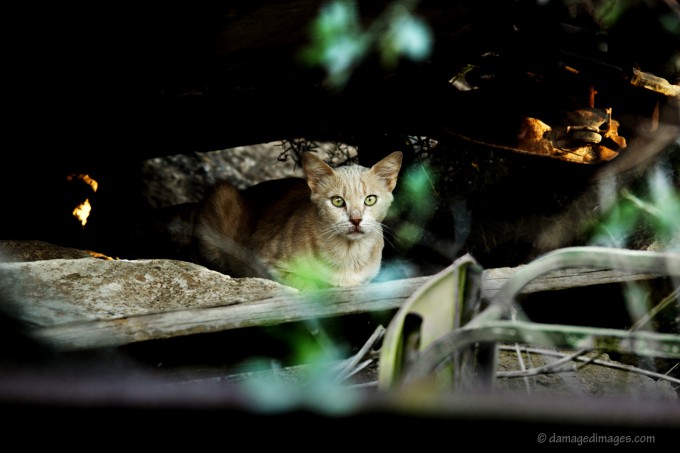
340, 42
270, 390
608, 12
306, 273
647, 212
414, 205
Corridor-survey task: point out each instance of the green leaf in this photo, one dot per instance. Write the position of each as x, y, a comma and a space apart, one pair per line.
412, 38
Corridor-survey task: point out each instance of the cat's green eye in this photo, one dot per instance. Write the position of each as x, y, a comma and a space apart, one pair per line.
370, 200
338, 202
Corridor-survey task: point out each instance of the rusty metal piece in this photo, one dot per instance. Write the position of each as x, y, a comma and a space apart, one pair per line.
587, 136
579, 64
653, 83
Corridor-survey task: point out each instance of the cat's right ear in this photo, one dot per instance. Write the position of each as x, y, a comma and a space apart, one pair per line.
315, 169
388, 169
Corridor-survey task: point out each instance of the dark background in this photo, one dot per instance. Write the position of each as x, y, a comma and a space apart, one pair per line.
97, 89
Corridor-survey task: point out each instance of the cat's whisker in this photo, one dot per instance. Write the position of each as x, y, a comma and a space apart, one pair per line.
388, 238
373, 228
330, 231
387, 229
388, 234
390, 242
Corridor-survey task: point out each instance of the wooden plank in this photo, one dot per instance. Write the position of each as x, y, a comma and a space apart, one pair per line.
289, 308
559, 279
276, 310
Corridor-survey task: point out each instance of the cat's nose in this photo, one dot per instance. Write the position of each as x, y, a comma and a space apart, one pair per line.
355, 220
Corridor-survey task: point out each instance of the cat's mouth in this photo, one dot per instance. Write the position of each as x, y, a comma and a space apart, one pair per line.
355, 232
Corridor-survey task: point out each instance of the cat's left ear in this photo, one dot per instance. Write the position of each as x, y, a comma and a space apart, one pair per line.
315, 169
388, 169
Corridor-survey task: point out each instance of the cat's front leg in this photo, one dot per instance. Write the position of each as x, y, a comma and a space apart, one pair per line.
300, 282
303, 272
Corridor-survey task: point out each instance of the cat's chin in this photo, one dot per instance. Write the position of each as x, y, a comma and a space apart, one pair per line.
355, 235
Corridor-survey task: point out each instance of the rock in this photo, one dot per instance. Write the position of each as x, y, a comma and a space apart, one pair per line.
51, 292
184, 178
19, 251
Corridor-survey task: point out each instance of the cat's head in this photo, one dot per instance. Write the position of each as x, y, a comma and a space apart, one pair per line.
352, 200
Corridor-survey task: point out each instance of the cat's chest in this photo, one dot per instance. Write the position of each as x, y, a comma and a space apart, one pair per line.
351, 277
352, 254
335, 263
354, 263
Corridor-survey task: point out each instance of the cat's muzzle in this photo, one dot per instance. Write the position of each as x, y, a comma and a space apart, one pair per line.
355, 232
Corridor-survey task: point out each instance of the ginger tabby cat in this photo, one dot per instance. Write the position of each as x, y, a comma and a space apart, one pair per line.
320, 231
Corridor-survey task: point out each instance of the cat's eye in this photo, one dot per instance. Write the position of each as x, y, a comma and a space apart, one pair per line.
338, 202
370, 200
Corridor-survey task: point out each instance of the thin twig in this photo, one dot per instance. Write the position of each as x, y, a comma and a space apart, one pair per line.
577, 356
523, 367
529, 361
547, 368
358, 368
672, 368
346, 367
369, 384
519, 357
588, 360
656, 309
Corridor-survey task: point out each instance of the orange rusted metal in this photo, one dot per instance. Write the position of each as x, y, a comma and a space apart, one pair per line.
586, 136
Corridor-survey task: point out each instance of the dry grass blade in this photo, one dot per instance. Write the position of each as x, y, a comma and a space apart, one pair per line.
348, 368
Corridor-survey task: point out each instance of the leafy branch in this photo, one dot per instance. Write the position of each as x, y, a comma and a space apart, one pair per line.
339, 42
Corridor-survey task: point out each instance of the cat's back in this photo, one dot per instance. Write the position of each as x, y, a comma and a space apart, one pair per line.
237, 213
281, 209
230, 223
284, 194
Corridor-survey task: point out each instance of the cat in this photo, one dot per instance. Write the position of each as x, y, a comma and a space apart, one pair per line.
320, 231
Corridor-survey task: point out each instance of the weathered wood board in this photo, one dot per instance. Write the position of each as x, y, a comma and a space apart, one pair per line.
281, 309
